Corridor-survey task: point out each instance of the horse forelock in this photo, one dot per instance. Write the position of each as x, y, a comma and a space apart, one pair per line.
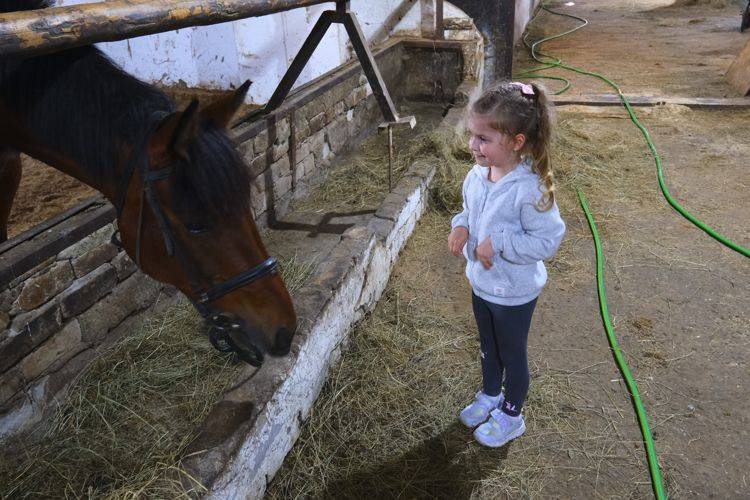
217, 178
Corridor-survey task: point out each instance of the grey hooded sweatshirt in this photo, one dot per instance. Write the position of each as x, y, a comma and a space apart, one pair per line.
522, 236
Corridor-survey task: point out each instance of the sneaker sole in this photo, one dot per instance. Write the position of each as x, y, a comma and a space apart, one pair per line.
481, 438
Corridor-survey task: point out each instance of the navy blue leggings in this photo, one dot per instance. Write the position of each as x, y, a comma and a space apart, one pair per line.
503, 337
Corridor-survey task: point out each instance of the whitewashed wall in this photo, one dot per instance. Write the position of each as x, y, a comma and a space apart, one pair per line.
261, 48
524, 11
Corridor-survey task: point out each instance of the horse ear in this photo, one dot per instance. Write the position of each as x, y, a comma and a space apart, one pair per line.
185, 130
221, 111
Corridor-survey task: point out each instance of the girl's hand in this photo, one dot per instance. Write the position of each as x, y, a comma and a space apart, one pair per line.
457, 239
485, 253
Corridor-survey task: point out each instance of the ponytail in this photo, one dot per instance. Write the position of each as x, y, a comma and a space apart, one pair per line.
541, 145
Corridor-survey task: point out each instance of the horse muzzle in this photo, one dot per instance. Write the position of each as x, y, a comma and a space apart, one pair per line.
228, 334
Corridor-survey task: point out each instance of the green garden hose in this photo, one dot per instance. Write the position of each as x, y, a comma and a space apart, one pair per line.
557, 63
653, 460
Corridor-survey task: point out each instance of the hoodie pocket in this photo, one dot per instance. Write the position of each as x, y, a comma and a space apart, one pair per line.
505, 279
492, 281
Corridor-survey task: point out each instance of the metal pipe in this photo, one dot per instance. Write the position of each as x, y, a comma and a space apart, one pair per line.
41, 31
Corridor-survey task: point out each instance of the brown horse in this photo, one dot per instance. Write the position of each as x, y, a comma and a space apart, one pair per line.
181, 190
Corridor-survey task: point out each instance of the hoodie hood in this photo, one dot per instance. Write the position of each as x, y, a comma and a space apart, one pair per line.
522, 172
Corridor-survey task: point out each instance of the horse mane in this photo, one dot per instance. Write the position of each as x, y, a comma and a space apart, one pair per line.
18, 5
81, 103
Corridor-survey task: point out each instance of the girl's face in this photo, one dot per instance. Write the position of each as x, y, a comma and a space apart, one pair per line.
492, 148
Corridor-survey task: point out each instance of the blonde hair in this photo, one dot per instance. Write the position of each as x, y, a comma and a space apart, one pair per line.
512, 108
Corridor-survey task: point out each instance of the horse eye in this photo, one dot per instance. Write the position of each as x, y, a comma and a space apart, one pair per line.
194, 228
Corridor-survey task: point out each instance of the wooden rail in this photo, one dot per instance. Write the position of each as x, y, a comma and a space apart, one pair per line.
47, 30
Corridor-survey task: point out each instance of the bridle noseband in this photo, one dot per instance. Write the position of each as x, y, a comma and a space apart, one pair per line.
140, 158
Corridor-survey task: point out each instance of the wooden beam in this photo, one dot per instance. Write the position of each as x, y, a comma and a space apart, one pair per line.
439, 29
41, 31
692, 102
382, 33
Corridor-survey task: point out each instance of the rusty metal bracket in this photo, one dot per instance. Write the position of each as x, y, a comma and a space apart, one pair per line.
411, 121
342, 15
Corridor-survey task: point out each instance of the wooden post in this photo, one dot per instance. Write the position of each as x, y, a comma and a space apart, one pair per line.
496, 21
439, 29
427, 18
431, 19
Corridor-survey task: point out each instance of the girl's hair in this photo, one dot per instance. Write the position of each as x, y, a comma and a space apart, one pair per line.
517, 108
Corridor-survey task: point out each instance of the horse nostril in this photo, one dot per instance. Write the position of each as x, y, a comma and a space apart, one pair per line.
283, 341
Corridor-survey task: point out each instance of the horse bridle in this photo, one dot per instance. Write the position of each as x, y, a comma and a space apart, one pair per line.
220, 339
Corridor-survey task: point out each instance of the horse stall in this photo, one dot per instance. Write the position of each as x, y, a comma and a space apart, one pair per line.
335, 193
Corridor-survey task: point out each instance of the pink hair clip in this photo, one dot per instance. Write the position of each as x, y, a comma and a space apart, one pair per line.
526, 89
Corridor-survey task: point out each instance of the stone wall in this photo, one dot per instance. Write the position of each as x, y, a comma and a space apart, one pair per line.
66, 292
296, 144
57, 315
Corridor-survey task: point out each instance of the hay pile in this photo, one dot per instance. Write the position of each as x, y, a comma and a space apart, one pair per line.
127, 421
124, 427
385, 424
360, 180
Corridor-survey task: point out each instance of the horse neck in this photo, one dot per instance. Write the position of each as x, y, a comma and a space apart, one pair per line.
78, 113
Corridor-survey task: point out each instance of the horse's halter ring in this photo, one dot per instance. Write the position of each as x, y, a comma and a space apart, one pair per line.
221, 326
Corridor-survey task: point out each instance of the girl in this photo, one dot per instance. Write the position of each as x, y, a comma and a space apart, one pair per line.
509, 224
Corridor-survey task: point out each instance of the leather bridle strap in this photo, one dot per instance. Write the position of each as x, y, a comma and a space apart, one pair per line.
265, 268
139, 157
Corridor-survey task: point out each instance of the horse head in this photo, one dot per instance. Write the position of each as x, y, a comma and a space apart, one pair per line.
185, 218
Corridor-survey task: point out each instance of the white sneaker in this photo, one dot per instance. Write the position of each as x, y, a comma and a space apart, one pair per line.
479, 410
499, 429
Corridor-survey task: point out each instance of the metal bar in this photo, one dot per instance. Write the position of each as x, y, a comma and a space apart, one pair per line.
390, 157
370, 68
303, 56
342, 6
41, 31
439, 30
300, 60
